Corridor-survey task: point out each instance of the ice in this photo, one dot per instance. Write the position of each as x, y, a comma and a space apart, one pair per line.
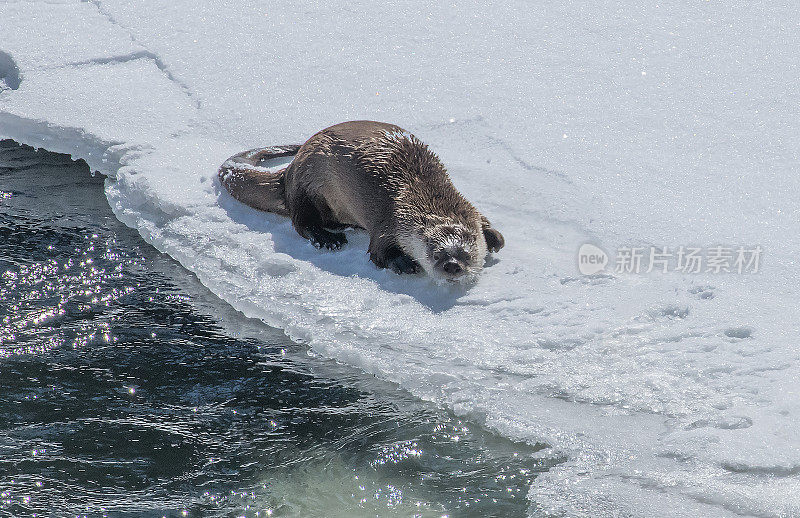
618, 124
9, 73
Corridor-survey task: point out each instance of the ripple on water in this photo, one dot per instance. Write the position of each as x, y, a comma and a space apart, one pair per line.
128, 390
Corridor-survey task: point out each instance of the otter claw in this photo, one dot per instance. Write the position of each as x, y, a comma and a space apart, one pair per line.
404, 264
329, 240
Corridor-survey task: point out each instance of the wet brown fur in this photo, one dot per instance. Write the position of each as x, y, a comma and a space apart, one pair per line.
363, 174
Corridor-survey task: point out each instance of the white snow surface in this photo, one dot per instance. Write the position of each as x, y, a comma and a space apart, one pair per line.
616, 123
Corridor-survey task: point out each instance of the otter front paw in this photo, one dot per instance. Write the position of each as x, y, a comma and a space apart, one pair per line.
397, 260
494, 239
404, 264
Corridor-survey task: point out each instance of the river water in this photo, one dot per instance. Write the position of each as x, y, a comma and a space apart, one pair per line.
128, 389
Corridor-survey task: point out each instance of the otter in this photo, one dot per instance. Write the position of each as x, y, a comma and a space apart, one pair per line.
377, 177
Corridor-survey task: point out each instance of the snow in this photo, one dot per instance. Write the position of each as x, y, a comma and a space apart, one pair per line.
615, 123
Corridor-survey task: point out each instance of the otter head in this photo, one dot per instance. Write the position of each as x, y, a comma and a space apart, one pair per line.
452, 251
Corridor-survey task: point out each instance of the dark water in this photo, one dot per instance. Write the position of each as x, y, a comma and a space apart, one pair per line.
127, 389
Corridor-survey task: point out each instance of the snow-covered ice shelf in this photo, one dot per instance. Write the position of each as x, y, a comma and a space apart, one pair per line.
616, 123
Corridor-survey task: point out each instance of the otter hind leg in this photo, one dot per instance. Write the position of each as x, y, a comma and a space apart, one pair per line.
322, 238
308, 222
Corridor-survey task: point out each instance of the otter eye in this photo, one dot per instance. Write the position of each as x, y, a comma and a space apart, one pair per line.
437, 256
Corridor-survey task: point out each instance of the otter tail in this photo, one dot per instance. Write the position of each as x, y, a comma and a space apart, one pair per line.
252, 184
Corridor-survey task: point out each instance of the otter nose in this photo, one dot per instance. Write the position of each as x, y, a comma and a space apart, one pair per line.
452, 267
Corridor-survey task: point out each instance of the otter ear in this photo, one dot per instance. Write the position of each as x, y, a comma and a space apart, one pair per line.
494, 239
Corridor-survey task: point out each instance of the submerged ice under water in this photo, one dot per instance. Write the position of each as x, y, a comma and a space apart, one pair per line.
126, 388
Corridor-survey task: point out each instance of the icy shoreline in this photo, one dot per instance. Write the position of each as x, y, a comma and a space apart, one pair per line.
661, 405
